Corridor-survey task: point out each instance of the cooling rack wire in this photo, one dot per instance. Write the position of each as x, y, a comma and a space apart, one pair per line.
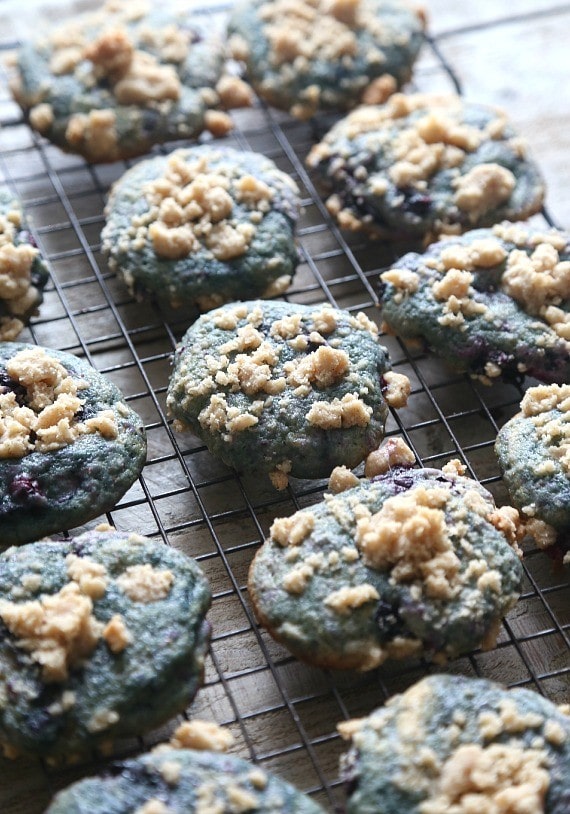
282, 713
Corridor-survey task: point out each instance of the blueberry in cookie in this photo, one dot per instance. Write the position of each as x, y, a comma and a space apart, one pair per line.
111, 84
494, 302
307, 56
284, 389
23, 272
408, 563
422, 165
457, 744
203, 226
103, 636
70, 446
533, 449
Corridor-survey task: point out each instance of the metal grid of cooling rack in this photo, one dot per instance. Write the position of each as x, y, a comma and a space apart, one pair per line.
282, 713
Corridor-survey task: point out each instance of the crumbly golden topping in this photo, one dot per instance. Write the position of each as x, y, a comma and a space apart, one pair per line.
47, 421
392, 452
348, 598
250, 362
483, 188
94, 133
116, 634
409, 537
154, 806
398, 389
291, 531
489, 780
143, 583
302, 31
191, 208
548, 407
16, 289
349, 411
91, 576
59, 631
540, 282
202, 735
341, 479
431, 136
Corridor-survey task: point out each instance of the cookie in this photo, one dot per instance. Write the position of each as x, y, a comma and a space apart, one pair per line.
203, 226
414, 562
284, 389
533, 449
169, 780
70, 446
307, 56
422, 165
23, 272
103, 637
110, 85
455, 744
492, 302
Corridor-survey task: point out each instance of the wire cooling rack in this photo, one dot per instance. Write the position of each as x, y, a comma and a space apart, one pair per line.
282, 713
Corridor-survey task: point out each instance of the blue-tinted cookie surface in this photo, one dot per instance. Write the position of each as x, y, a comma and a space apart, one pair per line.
410, 563
452, 741
307, 57
71, 446
103, 636
203, 226
207, 781
494, 302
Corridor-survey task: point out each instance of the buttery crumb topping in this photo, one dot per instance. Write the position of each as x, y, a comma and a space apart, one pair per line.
301, 32
540, 282
116, 634
349, 411
342, 479
421, 136
548, 407
397, 390
47, 420
291, 531
202, 735
154, 806
348, 598
91, 576
143, 583
16, 289
192, 208
59, 631
487, 780
409, 537
392, 452
483, 188
278, 360
535, 274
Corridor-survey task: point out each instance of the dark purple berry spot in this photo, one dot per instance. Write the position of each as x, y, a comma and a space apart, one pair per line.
24, 489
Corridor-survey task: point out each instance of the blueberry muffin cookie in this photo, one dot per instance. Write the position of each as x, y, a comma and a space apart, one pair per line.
494, 302
103, 636
284, 389
70, 447
203, 226
23, 273
306, 56
111, 84
533, 449
409, 563
422, 165
456, 744
188, 775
